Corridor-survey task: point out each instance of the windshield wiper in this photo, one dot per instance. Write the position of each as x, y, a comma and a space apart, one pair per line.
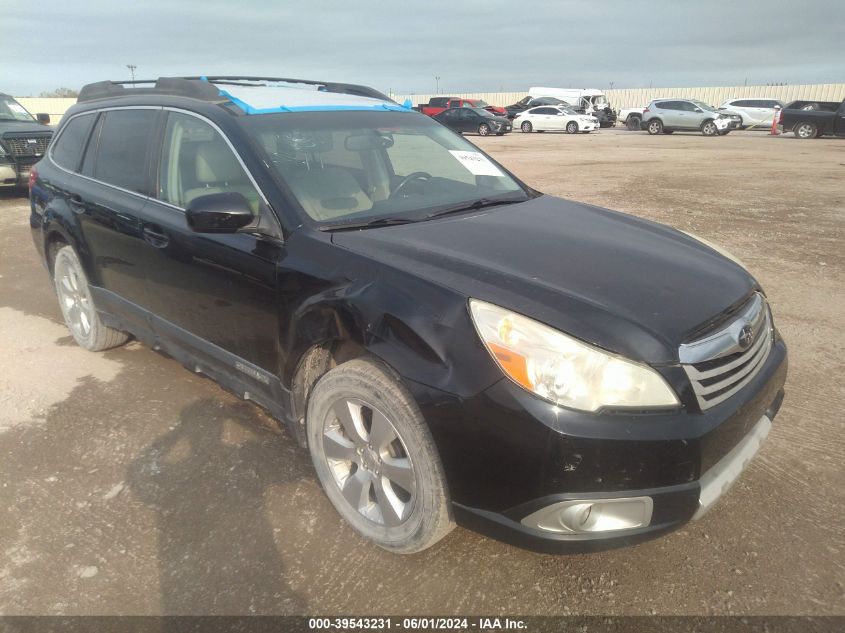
367, 224
472, 206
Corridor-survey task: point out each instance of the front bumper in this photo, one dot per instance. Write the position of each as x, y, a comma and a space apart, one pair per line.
508, 454
15, 174
8, 174
727, 124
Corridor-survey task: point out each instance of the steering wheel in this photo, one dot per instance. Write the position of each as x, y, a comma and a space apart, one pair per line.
416, 175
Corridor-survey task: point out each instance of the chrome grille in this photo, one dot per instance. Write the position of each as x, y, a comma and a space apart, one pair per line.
27, 145
720, 364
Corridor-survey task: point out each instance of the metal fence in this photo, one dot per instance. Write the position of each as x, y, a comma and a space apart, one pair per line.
635, 97
621, 98
54, 106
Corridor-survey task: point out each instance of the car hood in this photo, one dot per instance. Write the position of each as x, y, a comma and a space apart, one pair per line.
23, 127
625, 284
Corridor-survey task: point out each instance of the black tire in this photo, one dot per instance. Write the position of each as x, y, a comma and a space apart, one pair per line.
369, 386
483, 129
654, 126
572, 127
633, 123
805, 130
526, 127
708, 128
77, 305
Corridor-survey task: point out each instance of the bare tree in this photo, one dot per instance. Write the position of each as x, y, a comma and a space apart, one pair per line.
61, 92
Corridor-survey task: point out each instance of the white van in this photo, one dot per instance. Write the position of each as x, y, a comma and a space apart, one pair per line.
589, 100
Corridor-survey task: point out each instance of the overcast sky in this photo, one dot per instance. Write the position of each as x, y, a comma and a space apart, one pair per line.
400, 46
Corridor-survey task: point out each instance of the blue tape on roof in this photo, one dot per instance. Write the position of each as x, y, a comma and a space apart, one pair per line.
248, 109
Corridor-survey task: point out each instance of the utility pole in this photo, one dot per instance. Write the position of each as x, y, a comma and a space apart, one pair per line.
132, 68
437, 84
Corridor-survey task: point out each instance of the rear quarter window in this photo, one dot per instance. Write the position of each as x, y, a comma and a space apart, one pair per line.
67, 149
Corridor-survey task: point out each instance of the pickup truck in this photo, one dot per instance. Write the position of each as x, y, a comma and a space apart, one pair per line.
810, 119
632, 118
23, 141
436, 105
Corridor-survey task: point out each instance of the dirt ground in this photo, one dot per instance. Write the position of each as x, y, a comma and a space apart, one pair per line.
129, 485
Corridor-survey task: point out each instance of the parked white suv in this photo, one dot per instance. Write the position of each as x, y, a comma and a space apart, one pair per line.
756, 112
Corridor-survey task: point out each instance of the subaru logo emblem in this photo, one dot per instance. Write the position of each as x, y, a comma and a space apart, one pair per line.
746, 337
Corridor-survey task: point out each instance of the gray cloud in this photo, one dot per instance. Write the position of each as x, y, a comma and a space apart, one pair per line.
401, 46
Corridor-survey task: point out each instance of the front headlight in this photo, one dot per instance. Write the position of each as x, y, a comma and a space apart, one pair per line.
564, 370
736, 260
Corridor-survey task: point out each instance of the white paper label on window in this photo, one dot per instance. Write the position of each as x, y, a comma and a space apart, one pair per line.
476, 163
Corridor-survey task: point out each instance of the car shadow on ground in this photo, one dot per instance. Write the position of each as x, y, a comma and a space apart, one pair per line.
205, 481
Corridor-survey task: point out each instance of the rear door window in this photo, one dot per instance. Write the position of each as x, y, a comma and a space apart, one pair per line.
122, 151
67, 150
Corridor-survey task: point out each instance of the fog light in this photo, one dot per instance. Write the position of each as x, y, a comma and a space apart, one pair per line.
581, 516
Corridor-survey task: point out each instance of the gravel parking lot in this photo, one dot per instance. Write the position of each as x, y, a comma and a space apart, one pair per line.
129, 485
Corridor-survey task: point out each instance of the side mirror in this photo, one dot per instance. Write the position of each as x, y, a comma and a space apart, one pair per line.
219, 213
697, 110
43, 118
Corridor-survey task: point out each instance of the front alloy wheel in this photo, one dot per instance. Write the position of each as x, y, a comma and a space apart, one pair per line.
655, 126
709, 128
369, 462
484, 129
375, 457
572, 127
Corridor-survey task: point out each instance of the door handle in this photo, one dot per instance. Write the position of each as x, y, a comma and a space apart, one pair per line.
76, 204
154, 236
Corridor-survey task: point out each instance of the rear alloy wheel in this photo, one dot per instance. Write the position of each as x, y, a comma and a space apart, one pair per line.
655, 126
526, 127
572, 127
77, 306
375, 457
806, 129
484, 129
633, 123
708, 128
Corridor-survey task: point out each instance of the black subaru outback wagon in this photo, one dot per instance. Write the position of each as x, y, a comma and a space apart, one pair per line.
451, 345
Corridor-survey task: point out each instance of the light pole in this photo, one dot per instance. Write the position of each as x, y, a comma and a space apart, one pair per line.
132, 68
437, 84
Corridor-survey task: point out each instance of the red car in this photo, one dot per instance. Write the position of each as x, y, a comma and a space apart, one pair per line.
436, 105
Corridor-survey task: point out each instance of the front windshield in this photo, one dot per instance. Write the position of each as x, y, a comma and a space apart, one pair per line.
361, 166
704, 106
11, 110
482, 112
567, 110
600, 100
480, 103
